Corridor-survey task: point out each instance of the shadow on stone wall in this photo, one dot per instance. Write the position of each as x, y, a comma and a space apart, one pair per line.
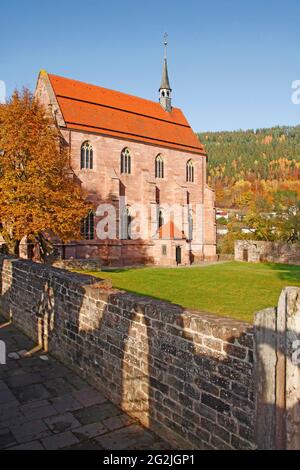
185, 375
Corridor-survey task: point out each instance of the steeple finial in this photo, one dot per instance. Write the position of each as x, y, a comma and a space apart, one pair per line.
166, 44
165, 89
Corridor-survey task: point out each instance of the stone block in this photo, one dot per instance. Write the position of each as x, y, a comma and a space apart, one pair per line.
60, 441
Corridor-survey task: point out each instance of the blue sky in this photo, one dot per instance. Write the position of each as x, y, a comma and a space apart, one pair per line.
231, 62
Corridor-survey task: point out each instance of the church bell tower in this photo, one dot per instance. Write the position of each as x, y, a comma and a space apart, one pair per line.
165, 89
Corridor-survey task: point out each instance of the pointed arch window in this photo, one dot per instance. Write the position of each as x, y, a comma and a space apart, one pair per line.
126, 161
86, 156
160, 223
128, 223
126, 220
159, 167
190, 171
190, 225
160, 219
87, 228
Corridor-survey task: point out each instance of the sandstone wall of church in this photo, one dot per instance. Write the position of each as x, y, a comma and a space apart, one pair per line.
139, 184
209, 224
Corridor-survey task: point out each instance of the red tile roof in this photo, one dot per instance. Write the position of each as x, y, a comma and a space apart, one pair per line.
100, 110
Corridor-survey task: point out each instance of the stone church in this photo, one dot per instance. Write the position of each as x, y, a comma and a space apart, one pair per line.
129, 149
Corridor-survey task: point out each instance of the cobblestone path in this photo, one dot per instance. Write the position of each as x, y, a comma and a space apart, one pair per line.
44, 405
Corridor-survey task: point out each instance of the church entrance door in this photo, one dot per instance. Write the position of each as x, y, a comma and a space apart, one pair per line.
178, 254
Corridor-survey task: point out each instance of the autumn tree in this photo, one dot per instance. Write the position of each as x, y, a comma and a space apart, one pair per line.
226, 242
39, 194
289, 227
261, 227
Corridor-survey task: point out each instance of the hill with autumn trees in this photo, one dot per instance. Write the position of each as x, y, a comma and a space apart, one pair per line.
257, 175
254, 167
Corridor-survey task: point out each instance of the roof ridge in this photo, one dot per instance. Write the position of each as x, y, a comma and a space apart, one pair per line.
110, 89
80, 100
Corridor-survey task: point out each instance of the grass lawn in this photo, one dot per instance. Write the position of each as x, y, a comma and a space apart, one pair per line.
228, 289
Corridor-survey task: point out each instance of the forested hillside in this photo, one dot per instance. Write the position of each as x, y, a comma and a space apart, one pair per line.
253, 166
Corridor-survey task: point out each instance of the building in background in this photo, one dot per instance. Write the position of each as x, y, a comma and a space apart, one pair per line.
124, 151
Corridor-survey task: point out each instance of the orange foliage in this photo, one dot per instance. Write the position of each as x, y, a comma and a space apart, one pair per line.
38, 192
246, 186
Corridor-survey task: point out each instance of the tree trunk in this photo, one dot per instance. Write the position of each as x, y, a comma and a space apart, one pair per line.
12, 246
43, 248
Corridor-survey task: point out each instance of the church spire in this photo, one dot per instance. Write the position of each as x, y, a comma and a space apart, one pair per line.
165, 89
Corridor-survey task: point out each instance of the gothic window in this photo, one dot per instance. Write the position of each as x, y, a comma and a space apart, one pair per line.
86, 156
160, 219
190, 171
128, 221
159, 167
160, 223
87, 228
125, 161
190, 225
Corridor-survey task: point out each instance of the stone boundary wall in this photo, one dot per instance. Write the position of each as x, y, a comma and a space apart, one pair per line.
277, 373
225, 257
186, 375
272, 252
81, 264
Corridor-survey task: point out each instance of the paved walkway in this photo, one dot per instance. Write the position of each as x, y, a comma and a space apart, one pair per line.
44, 405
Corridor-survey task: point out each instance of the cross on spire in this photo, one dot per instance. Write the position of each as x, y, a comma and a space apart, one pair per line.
166, 43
